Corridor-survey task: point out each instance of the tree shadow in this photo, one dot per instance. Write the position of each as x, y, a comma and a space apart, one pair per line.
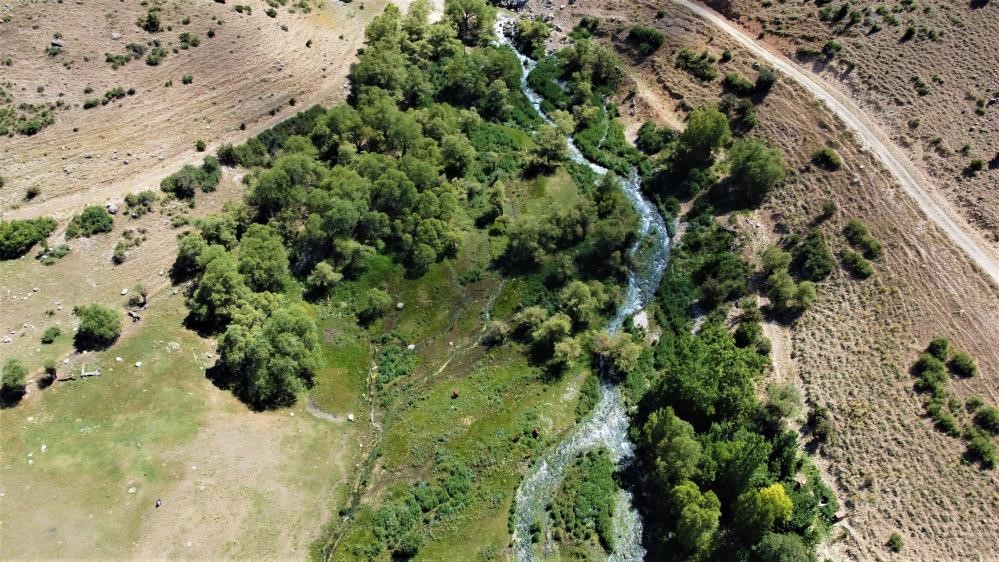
10, 398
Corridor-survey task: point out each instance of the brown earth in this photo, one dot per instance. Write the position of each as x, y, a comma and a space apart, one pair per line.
878, 70
249, 69
853, 349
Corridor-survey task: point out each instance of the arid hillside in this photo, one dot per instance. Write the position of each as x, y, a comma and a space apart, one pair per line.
852, 351
248, 72
925, 70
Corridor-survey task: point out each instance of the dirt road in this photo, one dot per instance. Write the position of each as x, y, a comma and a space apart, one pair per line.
913, 182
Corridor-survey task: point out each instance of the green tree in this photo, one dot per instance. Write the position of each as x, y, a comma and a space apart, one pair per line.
273, 361
473, 19
322, 279
758, 510
697, 517
530, 36
756, 169
13, 379
781, 547
93, 220
707, 131
551, 148
99, 326
219, 293
673, 444
263, 260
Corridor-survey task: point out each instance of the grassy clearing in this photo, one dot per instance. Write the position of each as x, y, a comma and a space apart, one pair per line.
231, 480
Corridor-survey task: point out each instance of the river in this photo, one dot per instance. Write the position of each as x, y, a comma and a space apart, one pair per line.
607, 425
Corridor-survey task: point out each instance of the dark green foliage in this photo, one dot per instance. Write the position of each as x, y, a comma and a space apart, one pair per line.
962, 365
939, 347
50, 334
856, 264
185, 183
827, 158
472, 19
813, 253
765, 80
584, 503
987, 418
99, 327
652, 139
755, 170
781, 547
589, 395
738, 85
93, 220
394, 361
155, 56
530, 36
701, 66
646, 39
18, 236
982, 450
856, 234
150, 22
187, 79
12, 380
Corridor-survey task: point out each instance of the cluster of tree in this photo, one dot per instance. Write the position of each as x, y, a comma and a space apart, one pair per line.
786, 296
18, 236
530, 35
92, 220
723, 467
945, 409
186, 182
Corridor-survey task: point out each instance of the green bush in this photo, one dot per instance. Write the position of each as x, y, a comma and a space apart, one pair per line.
199, 145
646, 39
738, 85
701, 66
99, 327
982, 450
987, 418
12, 380
155, 56
895, 542
93, 220
18, 236
817, 261
963, 365
765, 80
184, 183
856, 264
150, 22
187, 79
827, 158
50, 334
939, 347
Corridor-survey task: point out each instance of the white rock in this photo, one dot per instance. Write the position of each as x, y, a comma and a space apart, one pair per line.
132, 490
138, 363
411, 346
124, 292
44, 448
117, 359
350, 417
399, 306
115, 35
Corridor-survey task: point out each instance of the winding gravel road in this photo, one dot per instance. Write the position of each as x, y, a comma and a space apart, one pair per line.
873, 138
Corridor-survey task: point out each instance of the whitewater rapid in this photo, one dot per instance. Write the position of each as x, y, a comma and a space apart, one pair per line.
607, 425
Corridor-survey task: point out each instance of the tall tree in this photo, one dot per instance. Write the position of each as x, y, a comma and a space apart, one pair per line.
472, 18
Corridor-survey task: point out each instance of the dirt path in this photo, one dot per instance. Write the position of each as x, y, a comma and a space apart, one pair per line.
913, 182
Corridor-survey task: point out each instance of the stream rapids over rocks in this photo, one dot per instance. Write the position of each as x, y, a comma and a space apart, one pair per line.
607, 424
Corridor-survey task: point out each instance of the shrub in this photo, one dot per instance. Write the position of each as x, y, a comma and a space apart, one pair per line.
646, 39
91, 103
856, 264
702, 66
155, 56
827, 158
987, 418
816, 260
150, 22
50, 367
981, 449
831, 49
975, 166
199, 145
765, 80
50, 334
93, 220
18, 236
895, 542
187, 79
939, 347
32, 192
738, 85
12, 379
271, 12
725, 56
99, 327
188, 40
963, 365
184, 183
652, 139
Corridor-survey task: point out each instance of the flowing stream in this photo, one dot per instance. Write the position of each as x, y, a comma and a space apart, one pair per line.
607, 425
